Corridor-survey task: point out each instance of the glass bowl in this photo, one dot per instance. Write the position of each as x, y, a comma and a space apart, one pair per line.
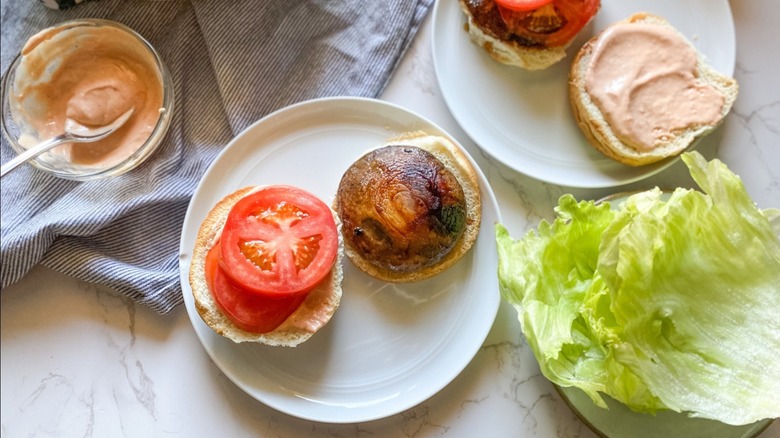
55, 162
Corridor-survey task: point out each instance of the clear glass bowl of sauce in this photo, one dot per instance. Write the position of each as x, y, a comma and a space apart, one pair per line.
89, 70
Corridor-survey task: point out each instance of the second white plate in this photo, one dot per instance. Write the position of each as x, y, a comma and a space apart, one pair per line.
389, 346
523, 118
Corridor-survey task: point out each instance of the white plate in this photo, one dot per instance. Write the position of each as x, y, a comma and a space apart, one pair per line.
524, 120
388, 347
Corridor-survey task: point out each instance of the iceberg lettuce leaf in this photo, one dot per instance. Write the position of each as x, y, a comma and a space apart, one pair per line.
662, 302
548, 277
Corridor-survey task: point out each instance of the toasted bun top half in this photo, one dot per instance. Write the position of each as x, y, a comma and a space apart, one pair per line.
597, 129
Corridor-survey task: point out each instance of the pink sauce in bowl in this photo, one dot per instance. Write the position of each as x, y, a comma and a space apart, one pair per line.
90, 71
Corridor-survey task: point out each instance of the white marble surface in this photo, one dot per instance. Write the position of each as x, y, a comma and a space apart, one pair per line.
79, 361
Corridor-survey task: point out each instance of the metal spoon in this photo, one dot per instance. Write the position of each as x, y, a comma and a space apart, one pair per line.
74, 133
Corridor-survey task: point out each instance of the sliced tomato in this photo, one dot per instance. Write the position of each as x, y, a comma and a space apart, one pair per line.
523, 5
279, 241
251, 312
552, 25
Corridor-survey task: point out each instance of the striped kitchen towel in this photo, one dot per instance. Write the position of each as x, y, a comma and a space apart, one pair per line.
232, 62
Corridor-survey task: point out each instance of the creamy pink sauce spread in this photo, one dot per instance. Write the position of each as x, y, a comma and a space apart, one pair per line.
92, 75
643, 79
312, 315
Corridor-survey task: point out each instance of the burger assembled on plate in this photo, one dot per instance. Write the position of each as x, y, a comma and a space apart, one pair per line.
530, 34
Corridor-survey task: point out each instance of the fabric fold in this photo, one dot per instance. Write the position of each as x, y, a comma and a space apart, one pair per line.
232, 63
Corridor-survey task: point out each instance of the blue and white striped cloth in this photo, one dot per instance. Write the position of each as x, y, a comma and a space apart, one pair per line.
232, 62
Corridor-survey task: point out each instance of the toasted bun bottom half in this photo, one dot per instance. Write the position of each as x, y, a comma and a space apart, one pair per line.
453, 158
315, 311
510, 52
597, 129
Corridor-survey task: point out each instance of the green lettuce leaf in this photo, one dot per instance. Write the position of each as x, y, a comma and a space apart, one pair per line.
662, 302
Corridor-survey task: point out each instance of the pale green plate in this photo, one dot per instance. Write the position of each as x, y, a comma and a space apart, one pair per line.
621, 422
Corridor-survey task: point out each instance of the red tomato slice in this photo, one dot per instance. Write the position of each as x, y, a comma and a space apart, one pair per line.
573, 15
523, 5
279, 241
251, 312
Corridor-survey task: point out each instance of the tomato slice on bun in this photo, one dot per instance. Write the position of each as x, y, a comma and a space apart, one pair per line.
278, 242
523, 5
553, 24
251, 312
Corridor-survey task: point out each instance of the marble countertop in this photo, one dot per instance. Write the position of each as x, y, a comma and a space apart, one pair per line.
81, 361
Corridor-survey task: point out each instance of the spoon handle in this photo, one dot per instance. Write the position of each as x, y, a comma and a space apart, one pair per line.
33, 152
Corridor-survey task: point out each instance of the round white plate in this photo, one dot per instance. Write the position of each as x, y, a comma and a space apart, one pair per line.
389, 346
524, 119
